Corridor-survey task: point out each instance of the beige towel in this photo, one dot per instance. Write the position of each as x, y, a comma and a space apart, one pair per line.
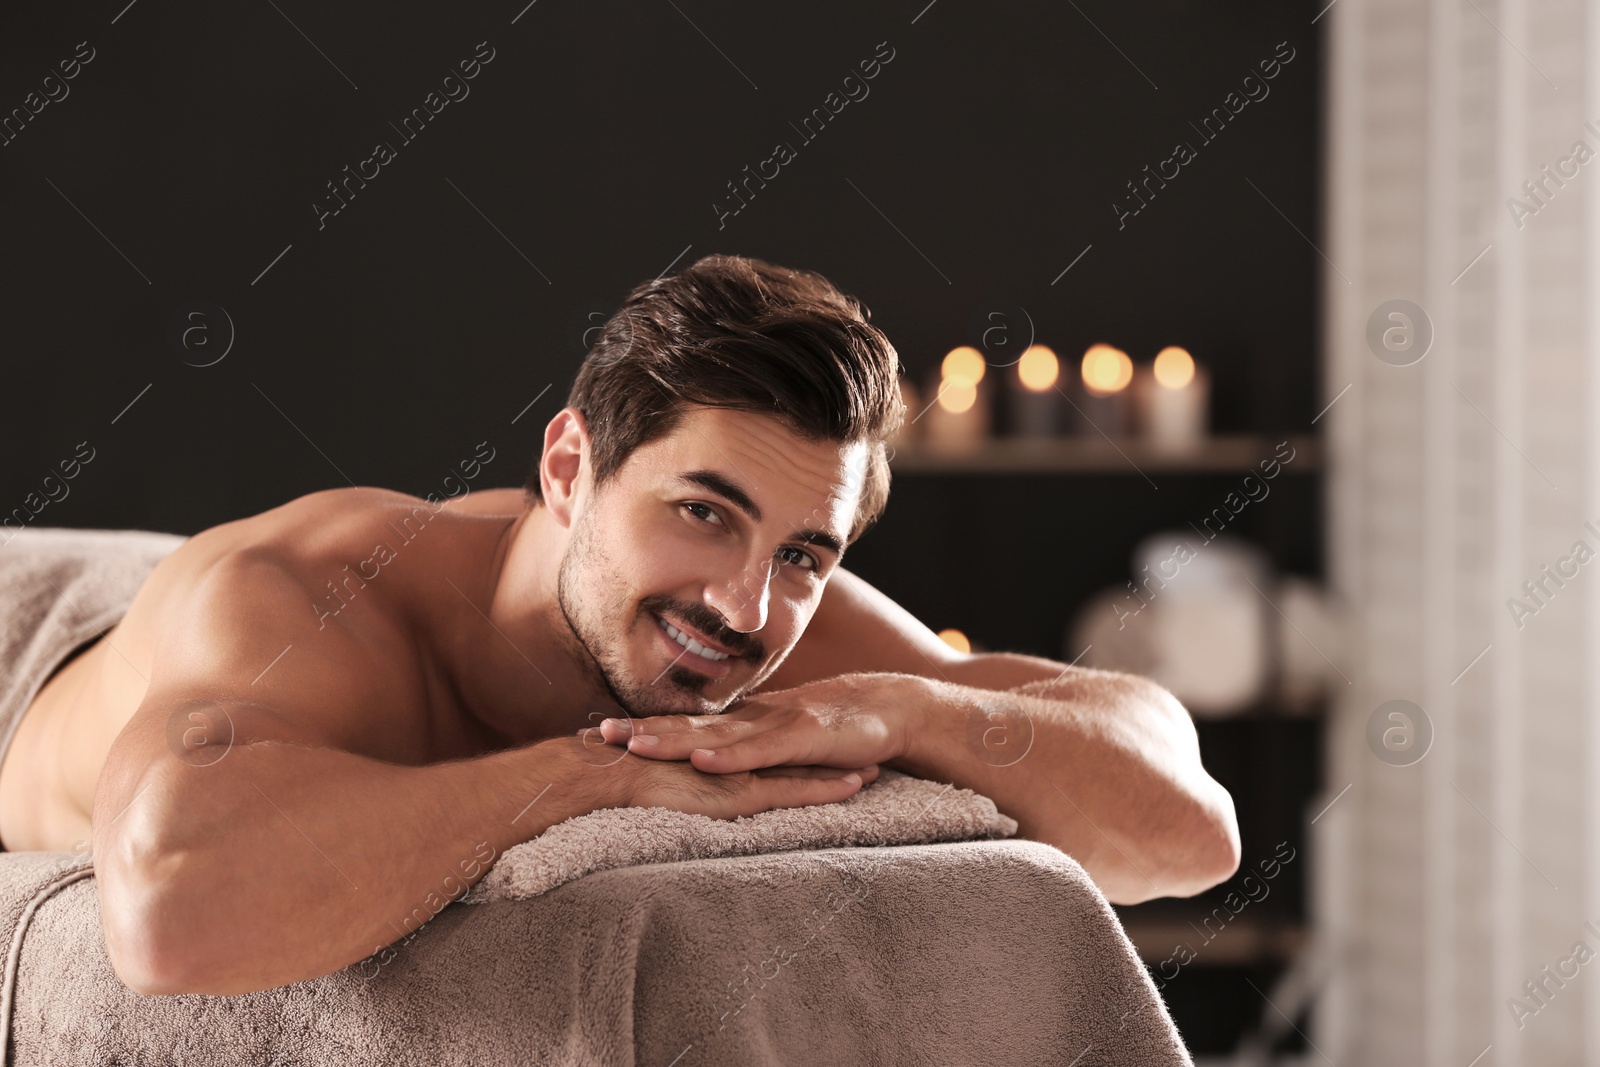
894, 810
984, 952
58, 589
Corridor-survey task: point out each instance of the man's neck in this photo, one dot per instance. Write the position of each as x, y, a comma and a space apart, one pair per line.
503, 639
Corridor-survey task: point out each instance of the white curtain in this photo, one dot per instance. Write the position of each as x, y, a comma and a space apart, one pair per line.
1445, 886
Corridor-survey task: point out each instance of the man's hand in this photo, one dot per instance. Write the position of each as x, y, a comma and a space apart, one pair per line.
848, 721
679, 786
1105, 766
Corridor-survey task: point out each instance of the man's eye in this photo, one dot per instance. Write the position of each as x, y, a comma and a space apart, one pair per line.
706, 508
803, 557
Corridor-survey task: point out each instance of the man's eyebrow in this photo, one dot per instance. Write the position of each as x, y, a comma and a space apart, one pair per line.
722, 485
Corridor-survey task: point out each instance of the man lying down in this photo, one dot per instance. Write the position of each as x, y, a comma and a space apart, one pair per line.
659, 618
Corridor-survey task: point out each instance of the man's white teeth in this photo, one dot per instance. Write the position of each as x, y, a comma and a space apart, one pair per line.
690, 643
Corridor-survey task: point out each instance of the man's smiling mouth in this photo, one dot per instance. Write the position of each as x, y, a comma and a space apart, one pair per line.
690, 643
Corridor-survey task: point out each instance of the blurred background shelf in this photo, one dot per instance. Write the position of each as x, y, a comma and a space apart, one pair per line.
1245, 940
1102, 455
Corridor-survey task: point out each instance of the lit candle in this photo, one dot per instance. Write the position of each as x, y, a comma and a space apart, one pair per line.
1173, 395
1106, 372
958, 416
956, 640
1034, 405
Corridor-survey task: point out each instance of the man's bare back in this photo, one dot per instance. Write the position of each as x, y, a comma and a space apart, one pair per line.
318, 620
367, 641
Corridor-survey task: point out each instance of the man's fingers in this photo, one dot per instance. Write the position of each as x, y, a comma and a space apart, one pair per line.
617, 731
801, 790
708, 727
721, 749
620, 728
758, 744
681, 787
766, 748
868, 773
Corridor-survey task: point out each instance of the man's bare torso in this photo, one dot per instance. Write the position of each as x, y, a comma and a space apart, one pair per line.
361, 652
270, 609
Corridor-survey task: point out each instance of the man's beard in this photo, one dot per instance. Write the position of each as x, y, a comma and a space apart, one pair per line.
588, 633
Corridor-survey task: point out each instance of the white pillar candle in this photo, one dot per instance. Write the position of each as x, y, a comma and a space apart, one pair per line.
958, 413
1033, 402
1173, 396
1103, 401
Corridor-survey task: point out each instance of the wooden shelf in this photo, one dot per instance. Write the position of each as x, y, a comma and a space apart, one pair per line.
1131, 456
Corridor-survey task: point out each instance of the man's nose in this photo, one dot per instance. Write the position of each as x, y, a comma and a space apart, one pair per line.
742, 602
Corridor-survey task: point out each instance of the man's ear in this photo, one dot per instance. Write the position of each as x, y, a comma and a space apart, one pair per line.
563, 462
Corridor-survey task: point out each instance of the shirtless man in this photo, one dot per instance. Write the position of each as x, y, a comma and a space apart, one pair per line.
308, 717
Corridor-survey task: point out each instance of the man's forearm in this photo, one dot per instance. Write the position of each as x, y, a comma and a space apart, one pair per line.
281, 863
1104, 766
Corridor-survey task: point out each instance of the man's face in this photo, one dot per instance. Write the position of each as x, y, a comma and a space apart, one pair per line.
725, 530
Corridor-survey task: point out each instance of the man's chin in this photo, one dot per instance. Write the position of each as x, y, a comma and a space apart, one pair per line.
667, 696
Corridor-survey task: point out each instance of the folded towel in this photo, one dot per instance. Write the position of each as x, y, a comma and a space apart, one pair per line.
897, 809
952, 953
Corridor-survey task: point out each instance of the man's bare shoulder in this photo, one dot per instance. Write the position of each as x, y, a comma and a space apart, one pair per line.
306, 536
291, 610
288, 546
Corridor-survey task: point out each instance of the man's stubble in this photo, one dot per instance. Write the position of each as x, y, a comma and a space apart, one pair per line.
591, 637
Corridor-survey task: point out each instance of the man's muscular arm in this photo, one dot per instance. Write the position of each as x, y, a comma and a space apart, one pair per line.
1103, 765
291, 856
284, 861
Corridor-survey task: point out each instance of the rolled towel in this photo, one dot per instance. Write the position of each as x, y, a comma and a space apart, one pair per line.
896, 809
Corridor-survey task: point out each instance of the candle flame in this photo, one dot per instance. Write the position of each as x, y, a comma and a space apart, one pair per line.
957, 395
1106, 370
1174, 367
1038, 368
956, 640
963, 364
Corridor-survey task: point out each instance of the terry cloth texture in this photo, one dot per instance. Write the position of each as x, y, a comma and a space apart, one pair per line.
58, 589
953, 953
896, 809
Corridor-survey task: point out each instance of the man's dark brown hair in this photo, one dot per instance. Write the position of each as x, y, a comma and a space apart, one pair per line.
739, 333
